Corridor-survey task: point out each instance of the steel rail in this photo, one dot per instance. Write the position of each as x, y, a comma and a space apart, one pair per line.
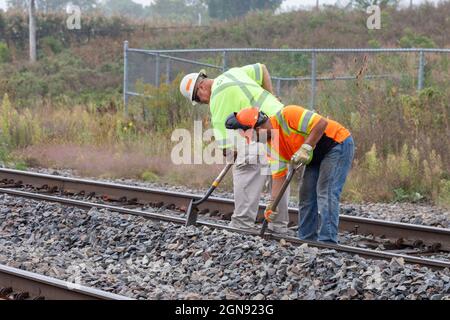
41, 286
368, 253
430, 236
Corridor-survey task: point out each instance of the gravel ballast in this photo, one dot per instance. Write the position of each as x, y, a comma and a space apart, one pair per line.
145, 259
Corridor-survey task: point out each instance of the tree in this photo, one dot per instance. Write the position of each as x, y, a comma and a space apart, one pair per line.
178, 9
52, 5
225, 9
32, 26
123, 7
84, 5
60, 5
17, 4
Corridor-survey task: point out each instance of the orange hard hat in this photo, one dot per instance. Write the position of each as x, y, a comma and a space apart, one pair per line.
246, 120
248, 117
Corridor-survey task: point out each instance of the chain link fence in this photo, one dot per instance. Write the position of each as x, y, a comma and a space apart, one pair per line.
308, 77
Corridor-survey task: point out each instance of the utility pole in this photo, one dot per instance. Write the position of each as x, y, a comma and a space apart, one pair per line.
317, 4
32, 25
410, 4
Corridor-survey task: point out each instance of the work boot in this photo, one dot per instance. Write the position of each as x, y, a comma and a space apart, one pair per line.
282, 232
247, 228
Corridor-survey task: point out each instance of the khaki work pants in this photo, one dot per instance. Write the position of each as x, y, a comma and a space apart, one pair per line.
249, 175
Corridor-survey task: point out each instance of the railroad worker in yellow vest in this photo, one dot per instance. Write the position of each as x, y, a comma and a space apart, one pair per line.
301, 136
230, 92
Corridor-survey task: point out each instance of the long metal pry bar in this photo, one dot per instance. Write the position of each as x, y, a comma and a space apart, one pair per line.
280, 194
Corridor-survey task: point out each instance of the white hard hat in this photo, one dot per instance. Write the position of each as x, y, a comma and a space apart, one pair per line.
187, 85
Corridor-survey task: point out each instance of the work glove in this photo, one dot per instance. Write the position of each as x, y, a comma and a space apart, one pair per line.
269, 214
230, 155
303, 155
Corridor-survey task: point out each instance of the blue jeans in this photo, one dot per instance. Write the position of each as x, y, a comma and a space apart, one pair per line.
320, 193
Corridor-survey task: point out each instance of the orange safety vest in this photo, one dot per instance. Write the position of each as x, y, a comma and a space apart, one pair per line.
292, 125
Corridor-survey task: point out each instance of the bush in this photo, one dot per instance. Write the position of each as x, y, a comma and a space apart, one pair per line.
164, 108
374, 44
404, 176
14, 27
5, 55
51, 43
60, 75
444, 194
18, 129
412, 40
149, 176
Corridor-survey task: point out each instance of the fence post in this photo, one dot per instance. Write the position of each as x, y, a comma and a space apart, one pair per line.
420, 75
168, 69
278, 86
313, 81
157, 70
224, 61
125, 76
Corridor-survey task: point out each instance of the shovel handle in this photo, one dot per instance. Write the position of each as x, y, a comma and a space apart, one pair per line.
215, 183
280, 194
286, 183
221, 175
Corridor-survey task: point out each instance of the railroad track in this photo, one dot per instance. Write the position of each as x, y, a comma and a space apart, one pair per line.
403, 234
17, 284
373, 254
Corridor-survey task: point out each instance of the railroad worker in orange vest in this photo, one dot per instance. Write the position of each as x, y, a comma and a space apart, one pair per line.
299, 136
230, 92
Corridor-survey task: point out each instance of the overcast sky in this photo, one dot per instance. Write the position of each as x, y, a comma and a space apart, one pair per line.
286, 3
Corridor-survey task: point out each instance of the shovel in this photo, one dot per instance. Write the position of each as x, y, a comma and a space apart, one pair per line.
192, 210
280, 194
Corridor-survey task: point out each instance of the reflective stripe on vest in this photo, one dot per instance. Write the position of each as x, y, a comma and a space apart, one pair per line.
274, 155
304, 121
283, 124
231, 84
278, 167
244, 87
257, 72
262, 98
